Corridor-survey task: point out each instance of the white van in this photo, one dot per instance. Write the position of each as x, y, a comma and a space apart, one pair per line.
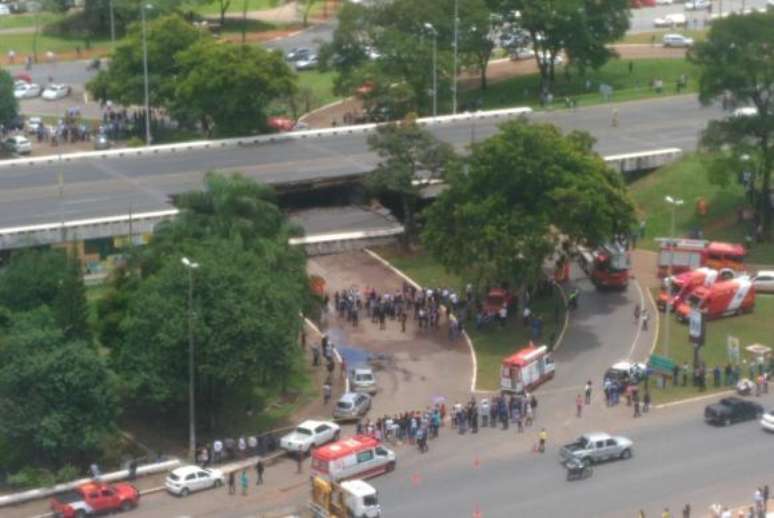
359, 456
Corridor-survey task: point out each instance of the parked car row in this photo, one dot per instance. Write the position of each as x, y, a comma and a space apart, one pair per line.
28, 90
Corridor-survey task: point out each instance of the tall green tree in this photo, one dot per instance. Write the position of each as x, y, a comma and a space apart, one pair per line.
248, 292
9, 105
57, 397
123, 81
580, 28
227, 88
737, 60
408, 155
35, 278
524, 190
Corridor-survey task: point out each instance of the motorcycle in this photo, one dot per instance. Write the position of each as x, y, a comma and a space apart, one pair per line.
95, 64
578, 469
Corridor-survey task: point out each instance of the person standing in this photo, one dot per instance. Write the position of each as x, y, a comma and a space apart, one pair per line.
637, 314
588, 392
231, 483
542, 439
646, 402
578, 405
244, 481
259, 473
326, 393
687, 511
636, 405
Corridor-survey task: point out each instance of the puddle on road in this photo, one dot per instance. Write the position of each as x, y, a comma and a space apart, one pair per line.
353, 355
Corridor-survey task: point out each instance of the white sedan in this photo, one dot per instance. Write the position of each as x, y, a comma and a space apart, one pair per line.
671, 20
19, 145
26, 90
310, 434
763, 281
56, 91
187, 479
767, 421
665, 2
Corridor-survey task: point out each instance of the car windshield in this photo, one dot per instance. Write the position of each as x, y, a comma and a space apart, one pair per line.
345, 405
364, 377
370, 500
303, 431
583, 441
173, 476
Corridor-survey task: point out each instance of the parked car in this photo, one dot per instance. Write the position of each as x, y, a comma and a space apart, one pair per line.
24, 90
665, 2
677, 40
352, 405
767, 421
34, 124
625, 372
763, 281
307, 63
56, 91
545, 57
671, 20
597, 447
697, 5
18, 144
732, 410
362, 379
310, 434
95, 498
746, 111
187, 479
296, 54
4, 10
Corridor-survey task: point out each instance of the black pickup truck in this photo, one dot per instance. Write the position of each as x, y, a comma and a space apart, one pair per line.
732, 410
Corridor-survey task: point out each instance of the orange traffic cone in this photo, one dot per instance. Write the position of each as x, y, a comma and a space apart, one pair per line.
476, 512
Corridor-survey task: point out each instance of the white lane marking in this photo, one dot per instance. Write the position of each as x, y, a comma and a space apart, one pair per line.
695, 399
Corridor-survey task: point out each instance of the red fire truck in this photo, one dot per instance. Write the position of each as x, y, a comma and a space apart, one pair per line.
683, 284
608, 266
689, 254
526, 369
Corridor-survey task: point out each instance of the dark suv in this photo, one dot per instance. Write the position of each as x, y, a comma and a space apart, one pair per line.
731, 410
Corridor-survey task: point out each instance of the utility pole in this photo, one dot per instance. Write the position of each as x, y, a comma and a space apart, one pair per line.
112, 25
456, 45
191, 266
430, 27
674, 202
145, 72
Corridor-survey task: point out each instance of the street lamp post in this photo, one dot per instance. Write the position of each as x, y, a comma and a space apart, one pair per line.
191, 266
143, 7
432, 30
112, 25
674, 202
456, 45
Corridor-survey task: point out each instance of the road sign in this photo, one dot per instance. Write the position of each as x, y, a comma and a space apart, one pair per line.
661, 364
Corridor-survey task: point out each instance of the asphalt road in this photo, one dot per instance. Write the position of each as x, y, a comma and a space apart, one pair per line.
642, 19
103, 187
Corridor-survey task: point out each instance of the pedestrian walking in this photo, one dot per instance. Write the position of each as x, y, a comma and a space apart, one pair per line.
766, 498
259, 473
637, 405
646, 402
542, 439
687, 511
243, 480
403, 318
231, 483
533, 403
327, 393
637, 310
588, 392
614, 121
578, 405
645, 319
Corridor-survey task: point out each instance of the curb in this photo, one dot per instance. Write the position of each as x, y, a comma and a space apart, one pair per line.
468, 341
560, 339
657, 329
695, 399
324, 107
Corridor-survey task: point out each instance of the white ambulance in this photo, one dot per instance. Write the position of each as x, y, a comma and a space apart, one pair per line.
359, 456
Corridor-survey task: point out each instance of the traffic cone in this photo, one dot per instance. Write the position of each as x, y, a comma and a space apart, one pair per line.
476, 512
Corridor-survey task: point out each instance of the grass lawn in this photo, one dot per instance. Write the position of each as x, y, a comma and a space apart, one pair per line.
523, 90
687, 179
319, 84
19, 21
647, 37
755, 327
23, 45
492, 343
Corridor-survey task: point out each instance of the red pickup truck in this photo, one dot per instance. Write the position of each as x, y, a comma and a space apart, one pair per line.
95, 498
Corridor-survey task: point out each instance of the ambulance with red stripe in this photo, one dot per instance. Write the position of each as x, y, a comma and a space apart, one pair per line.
359, 456
719, 300
683, 284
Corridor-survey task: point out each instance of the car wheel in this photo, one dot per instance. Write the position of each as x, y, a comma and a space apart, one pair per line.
337, 435
80, 513
218, 483
626, 454
185, 492
125, 506
390, 466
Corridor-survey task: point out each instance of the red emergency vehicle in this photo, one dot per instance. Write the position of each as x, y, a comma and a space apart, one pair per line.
690, 254
719, 300
608, 266
95, 498
359, 456
683, 284
495, 300
526, 369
